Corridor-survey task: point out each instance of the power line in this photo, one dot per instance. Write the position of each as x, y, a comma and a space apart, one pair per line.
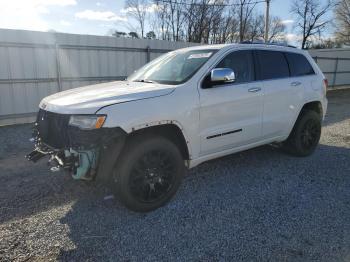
214, 5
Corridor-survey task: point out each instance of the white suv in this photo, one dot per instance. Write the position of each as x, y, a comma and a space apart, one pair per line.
183, 108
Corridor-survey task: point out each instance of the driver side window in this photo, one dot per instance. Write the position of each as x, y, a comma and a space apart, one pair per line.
241, 62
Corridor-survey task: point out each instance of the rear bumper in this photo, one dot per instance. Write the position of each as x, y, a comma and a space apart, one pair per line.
324, 106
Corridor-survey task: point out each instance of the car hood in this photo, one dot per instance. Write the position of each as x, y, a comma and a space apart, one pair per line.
89, 99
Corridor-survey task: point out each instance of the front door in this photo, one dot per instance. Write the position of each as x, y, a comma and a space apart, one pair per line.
231, 113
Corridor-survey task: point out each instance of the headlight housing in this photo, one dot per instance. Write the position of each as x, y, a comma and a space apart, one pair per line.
87, 122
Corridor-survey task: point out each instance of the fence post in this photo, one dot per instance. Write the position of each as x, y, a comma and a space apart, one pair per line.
58, 67
148, 50
335, 71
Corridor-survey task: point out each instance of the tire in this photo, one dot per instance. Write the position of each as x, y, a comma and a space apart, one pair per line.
305, 135
148, 173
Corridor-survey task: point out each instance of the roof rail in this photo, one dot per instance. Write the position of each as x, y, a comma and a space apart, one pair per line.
268, 43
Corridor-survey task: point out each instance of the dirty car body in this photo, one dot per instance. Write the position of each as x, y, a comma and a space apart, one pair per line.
84, 149
83, 130
76, 150
182, 109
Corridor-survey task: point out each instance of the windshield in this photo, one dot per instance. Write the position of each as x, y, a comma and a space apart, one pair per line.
172, 68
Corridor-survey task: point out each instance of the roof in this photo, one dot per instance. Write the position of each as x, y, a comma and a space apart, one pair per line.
253, 45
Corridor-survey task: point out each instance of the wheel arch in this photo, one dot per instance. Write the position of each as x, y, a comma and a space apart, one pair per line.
168, 129
313, 106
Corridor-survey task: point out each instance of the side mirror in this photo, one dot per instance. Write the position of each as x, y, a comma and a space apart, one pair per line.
222, 75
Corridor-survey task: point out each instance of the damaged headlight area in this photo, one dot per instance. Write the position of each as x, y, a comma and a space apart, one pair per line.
73, 142
87, 122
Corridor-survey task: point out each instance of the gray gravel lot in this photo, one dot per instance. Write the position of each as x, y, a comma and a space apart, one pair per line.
259, 205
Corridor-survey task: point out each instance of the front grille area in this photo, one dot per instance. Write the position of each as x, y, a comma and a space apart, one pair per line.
53, 128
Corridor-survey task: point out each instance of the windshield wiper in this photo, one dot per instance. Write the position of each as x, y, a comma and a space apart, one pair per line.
144, 80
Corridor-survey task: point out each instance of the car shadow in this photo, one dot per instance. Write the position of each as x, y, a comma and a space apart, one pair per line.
27, 188
24, 193
255, 205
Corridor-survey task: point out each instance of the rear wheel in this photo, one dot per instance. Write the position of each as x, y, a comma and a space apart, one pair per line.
305, 135
148, 173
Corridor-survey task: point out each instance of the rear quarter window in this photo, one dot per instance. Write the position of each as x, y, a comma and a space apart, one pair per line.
273, 65
299, 65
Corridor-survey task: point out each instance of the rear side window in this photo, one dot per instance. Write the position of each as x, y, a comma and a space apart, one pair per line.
241, 62
299, 65
273, 65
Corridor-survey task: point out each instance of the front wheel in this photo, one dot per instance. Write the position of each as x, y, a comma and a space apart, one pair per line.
305, 135
148, 173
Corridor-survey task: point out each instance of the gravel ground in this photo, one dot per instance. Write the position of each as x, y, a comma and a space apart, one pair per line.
258, 205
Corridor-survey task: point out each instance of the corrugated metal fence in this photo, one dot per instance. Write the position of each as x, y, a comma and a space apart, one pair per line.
335, 64
336, 77
36, 64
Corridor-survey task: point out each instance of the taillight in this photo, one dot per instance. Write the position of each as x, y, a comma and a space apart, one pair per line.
325, 85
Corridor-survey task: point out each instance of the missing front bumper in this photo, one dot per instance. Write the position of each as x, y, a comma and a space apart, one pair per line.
82, 153
80, 164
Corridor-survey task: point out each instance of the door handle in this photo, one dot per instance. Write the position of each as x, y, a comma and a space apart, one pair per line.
295, 83
254, 89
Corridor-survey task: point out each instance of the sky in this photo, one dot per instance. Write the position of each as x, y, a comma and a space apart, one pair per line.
96, 17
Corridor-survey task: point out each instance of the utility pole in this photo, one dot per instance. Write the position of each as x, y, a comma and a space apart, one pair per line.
267, 19
241, 22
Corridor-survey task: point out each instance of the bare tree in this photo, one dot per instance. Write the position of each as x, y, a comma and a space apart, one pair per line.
205, 21
138, 10
245, 13
202, 20
211, 21
160, 23
197, 20
176, 17
224, 28
311, 18
276, 29
232, 26
170, 16
256, 27
228, 26
342, 20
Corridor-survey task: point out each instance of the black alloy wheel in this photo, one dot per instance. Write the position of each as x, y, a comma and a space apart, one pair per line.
305, 135
310, 134
152, 176
148, 173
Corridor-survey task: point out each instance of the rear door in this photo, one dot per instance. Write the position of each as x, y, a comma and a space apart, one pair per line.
282, 93
303, 75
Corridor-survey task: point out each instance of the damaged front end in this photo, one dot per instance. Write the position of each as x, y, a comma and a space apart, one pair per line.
76, 143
